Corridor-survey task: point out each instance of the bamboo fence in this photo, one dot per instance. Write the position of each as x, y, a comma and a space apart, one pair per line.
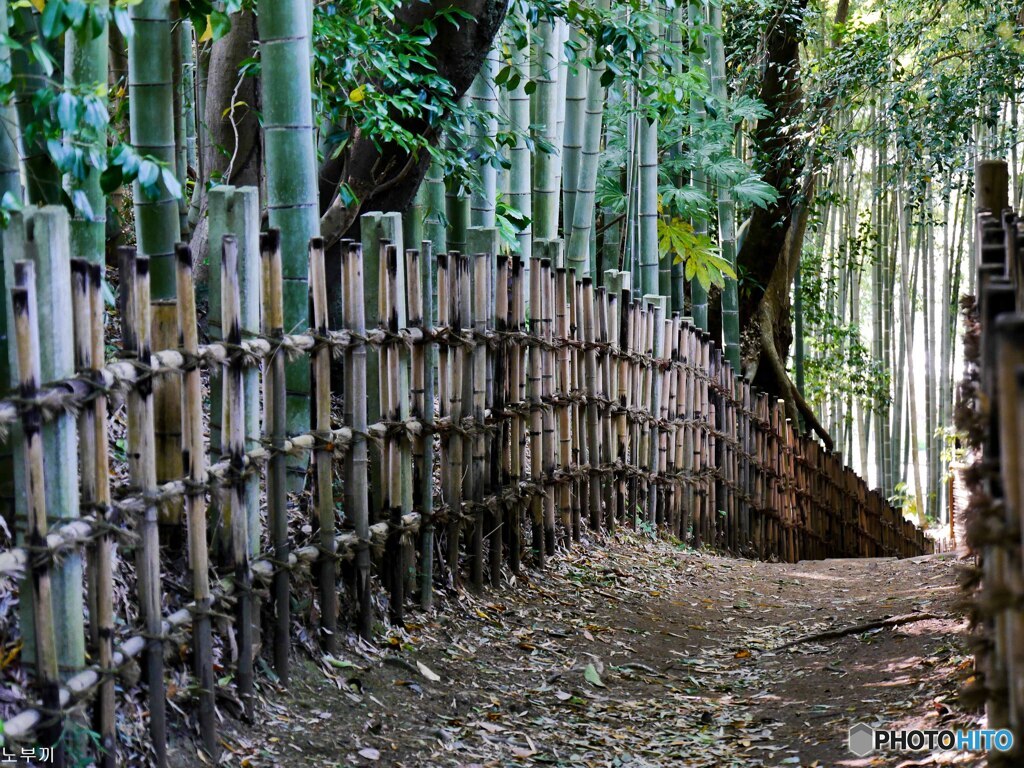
991, 415
602, 410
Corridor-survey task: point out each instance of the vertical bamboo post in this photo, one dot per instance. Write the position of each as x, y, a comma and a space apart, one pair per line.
517, 390
135, 337
236, 211
88, 309
548, 389
424, 366
464, 276
478, 379
26, 350
561, 392
501, 441
324, 520
592, 385
40, 235
578, 413
276, 430
622, 405
391, 492
535, 395
446, 360
608, 306
233, 446
194, 458
357, 461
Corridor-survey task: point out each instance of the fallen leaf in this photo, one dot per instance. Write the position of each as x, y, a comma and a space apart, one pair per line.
369, 753
592, 676
427, 672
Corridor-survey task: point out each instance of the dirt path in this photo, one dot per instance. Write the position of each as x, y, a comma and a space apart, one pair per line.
635, 653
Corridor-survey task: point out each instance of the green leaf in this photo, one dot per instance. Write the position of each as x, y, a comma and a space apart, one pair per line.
220, 24
592, 677
753, 191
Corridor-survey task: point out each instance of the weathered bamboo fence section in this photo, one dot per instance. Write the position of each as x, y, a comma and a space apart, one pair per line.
991, 415
554, 403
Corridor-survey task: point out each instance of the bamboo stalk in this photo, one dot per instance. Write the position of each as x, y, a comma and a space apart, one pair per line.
135, 336
391, 497
478, 384
535, 394
327, 569
194, 459
519, 431
357, 462
547, 384
424, 366
562, 386
276, 429
501, 442
87, 303
233, 446
26, 334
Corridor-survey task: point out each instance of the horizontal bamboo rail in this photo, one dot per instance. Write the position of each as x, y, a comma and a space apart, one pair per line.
601, 410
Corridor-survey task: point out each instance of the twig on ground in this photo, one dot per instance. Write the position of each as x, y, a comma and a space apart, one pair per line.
856, 629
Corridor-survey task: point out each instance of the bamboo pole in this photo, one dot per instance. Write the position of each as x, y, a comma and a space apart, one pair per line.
194, 459
46, 673
520, 428
285, 46
233, 447
547, 385
478, 384
535, 395
501, 441
561, 389
135, 337
391, 492
424, 366
87, 309
593, 425
324, 521
276, 429
357, 503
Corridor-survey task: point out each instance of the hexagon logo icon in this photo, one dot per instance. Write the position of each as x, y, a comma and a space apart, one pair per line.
862, 740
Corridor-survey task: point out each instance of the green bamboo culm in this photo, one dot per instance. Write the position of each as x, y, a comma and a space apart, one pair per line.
545, 112
151, 102
85, 65
726, 205
647, 136
42, 179
291, 178
520, 175
572, 135
578, 255
485, 130
698, 293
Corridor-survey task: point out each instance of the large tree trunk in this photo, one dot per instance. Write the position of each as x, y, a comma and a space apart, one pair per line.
771, 248
233, 151
386, 179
